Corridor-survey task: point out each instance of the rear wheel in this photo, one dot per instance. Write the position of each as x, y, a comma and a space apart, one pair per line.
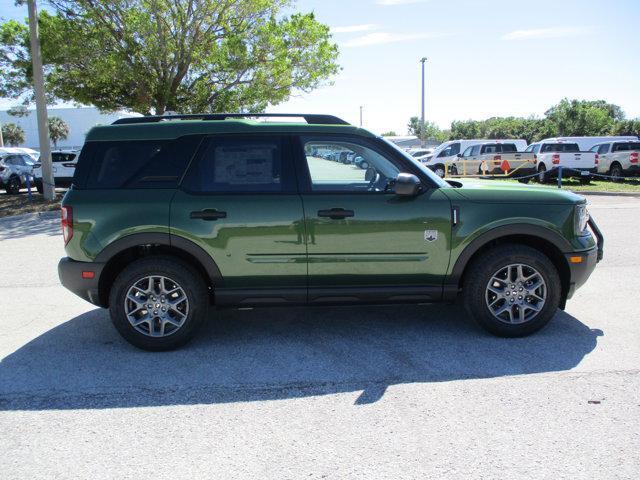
524, 180
512, 290
158, 303
13, 186
616, 172
543, 176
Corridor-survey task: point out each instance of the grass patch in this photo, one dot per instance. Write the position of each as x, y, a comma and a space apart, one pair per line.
574, 185
18, 204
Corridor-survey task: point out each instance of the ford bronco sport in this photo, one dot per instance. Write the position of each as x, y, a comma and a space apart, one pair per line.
170, 216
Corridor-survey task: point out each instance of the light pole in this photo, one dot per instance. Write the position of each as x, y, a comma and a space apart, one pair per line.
41, 105
422, 129
360, 116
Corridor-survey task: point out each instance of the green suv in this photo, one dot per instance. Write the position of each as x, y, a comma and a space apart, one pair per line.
168, 217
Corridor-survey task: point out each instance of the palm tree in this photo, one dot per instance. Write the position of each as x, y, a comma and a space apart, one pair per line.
58, 130
12, 134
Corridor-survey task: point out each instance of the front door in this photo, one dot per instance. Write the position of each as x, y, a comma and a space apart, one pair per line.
364, 242
239, 203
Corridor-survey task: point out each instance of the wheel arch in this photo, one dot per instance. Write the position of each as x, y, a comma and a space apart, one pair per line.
542, 239
117, 255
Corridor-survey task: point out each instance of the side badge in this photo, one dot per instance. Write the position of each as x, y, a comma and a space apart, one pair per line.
430, 235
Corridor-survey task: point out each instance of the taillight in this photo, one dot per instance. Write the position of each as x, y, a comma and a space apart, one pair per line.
67, 223
597, 159
555, 159
633, 158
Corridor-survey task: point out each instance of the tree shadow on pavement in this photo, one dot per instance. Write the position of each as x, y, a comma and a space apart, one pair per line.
278, 353
18, 226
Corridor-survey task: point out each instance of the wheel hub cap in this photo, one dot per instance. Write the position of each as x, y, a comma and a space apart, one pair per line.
516, 293
156, 306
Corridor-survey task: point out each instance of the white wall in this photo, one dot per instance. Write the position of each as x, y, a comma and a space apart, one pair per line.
80, 121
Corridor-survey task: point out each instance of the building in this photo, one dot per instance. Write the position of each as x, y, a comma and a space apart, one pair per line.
80, 121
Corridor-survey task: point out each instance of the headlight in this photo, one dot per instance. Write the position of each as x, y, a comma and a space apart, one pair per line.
581, 219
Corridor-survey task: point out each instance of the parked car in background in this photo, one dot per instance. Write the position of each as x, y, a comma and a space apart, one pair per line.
617, 158
14, 168
64, 167
586, 143
552, 153
447, 152
34, 155
494, 158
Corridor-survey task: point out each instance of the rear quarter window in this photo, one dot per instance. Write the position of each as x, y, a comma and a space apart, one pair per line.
134, 164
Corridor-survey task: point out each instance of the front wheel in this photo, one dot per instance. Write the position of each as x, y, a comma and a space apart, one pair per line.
439, 170
512, 290
543, 177
158, 303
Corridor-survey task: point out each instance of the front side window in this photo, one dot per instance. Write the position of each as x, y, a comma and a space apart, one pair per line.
239, 165
450, 151
346, 165
475, 150
468, 152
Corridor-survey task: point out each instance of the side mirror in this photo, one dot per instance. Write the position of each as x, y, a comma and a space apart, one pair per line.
406, 185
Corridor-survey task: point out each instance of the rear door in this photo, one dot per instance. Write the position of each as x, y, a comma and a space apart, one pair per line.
239, 202
364, 242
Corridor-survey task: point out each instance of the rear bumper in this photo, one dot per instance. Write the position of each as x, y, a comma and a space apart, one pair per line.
632, 170
70, 273
581, 271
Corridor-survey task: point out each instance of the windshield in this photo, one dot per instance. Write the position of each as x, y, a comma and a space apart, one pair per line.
436, 179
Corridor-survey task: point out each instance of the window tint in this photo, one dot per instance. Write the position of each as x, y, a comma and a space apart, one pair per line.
59, 157
602, 149
450, 151
634, 146
347, 165
467, 152
621, 147
492, 148
508, 148
476, 150
560, 147
137, 164
242, 164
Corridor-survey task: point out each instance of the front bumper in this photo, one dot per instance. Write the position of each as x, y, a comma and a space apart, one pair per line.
71, 276
581, 270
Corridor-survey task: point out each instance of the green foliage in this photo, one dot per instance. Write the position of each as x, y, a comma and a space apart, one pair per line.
431, 130
584, 117
151, 56
58, 130
12, 134
390, 133
626, 127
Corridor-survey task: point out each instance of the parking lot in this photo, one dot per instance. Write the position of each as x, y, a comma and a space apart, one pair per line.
365, 392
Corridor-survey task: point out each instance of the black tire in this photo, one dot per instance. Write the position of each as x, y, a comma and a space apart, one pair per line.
481, 271
616, 172
439, 170
543, 176
185, 276
524, 180
13, 186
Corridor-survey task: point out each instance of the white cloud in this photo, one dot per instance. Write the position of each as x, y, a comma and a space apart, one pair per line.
552, 32
353, 28
380, 38
388, 3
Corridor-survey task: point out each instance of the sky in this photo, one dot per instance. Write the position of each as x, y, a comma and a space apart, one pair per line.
484, 58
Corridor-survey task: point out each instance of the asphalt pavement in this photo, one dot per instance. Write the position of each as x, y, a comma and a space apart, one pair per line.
353, 392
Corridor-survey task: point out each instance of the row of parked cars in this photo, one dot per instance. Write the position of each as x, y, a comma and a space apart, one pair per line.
21, 167
345, 157
578, 156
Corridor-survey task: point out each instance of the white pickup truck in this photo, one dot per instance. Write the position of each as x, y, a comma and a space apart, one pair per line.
619, 158
552, 153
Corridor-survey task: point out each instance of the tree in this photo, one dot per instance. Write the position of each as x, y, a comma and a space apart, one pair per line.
151, 56
432, 131
584, 117
12, 134
58, 130
390, 133
626, 127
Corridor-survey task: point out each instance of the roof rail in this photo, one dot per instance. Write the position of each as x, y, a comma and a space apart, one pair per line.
309, 118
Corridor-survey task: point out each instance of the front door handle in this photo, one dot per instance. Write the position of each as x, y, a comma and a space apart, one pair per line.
336, 213
208, 214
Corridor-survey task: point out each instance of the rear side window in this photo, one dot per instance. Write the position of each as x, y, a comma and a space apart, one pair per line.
634, 146
135, 164
59, 157
625, 147
560, 147
243, 164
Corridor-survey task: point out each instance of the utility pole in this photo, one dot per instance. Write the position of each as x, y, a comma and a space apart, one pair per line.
423, 60
360, 116
41, 103
1, 139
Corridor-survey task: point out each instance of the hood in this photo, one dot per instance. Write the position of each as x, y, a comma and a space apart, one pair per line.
497, 191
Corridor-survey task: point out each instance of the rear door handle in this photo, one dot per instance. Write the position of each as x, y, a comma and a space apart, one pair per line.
208, 214
336, 213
